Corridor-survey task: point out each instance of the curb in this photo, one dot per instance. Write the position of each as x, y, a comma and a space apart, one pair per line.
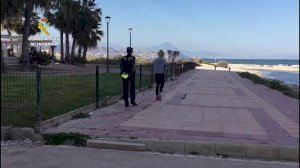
67, 116
270, 152
13, 133
116, 145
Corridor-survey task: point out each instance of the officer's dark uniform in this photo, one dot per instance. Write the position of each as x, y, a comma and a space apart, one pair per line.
127, 66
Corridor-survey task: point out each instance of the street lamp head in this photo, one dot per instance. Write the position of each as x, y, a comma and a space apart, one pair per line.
130, 30
107, 19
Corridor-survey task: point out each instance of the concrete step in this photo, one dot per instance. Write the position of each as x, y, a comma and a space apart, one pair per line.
116, 145
238, 150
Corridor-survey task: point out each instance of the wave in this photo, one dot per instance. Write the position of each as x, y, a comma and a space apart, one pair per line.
278, 65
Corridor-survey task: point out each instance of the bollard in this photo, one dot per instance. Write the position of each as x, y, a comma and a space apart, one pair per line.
140, 76
152, 81
166, 72
171, 71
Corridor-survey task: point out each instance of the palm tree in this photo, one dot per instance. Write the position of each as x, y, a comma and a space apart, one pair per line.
71, 24
64, 18
90, 19
18, 28
30, 5
11, 14
10, 9
91, 41
75, 26
56, 18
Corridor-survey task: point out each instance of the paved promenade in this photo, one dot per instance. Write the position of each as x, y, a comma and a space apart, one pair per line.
204, 105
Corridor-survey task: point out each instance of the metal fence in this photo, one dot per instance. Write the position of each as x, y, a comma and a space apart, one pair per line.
28, 98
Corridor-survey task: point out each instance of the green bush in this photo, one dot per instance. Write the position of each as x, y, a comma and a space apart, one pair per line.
273, 84
60, 138
39, 58
77, 60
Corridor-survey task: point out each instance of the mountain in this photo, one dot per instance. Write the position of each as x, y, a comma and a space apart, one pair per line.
203, 54
168, 46
151, 52
165, 46
185, 53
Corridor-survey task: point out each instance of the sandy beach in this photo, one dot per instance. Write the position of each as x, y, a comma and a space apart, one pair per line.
255, 69
259, 68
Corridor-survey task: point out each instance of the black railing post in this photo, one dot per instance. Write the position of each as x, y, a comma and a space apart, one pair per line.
152, 80
171, 70
140, 76
176, 70
38, 101
97, 86
166, 76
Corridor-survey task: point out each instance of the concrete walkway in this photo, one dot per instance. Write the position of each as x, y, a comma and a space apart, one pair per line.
204, 105
74, 157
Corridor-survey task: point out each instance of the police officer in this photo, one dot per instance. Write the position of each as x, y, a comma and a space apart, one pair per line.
128, 76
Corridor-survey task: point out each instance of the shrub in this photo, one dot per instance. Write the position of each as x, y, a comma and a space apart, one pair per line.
2, 59
60, 138
77, 60
39, 58
273, 84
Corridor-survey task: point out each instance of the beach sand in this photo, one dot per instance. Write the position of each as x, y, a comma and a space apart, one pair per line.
254, 70
259, 68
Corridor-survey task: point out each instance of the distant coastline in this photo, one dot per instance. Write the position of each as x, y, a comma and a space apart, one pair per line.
289, 74
259, 62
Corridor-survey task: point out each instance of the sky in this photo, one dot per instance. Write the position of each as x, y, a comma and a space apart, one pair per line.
239, 28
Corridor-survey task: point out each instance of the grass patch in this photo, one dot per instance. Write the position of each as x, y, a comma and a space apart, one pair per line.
77, 139
273, 84
61, 93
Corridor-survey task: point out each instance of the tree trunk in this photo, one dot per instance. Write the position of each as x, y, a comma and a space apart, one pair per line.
9, 33
79, 51
25, 31
2, 59
73, 48
62, 57
84, 54
67, 48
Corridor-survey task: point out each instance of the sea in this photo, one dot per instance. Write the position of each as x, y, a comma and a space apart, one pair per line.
287, 77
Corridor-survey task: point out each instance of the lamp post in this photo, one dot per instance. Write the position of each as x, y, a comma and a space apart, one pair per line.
52, 53
107, 19
52, 49
130, 30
